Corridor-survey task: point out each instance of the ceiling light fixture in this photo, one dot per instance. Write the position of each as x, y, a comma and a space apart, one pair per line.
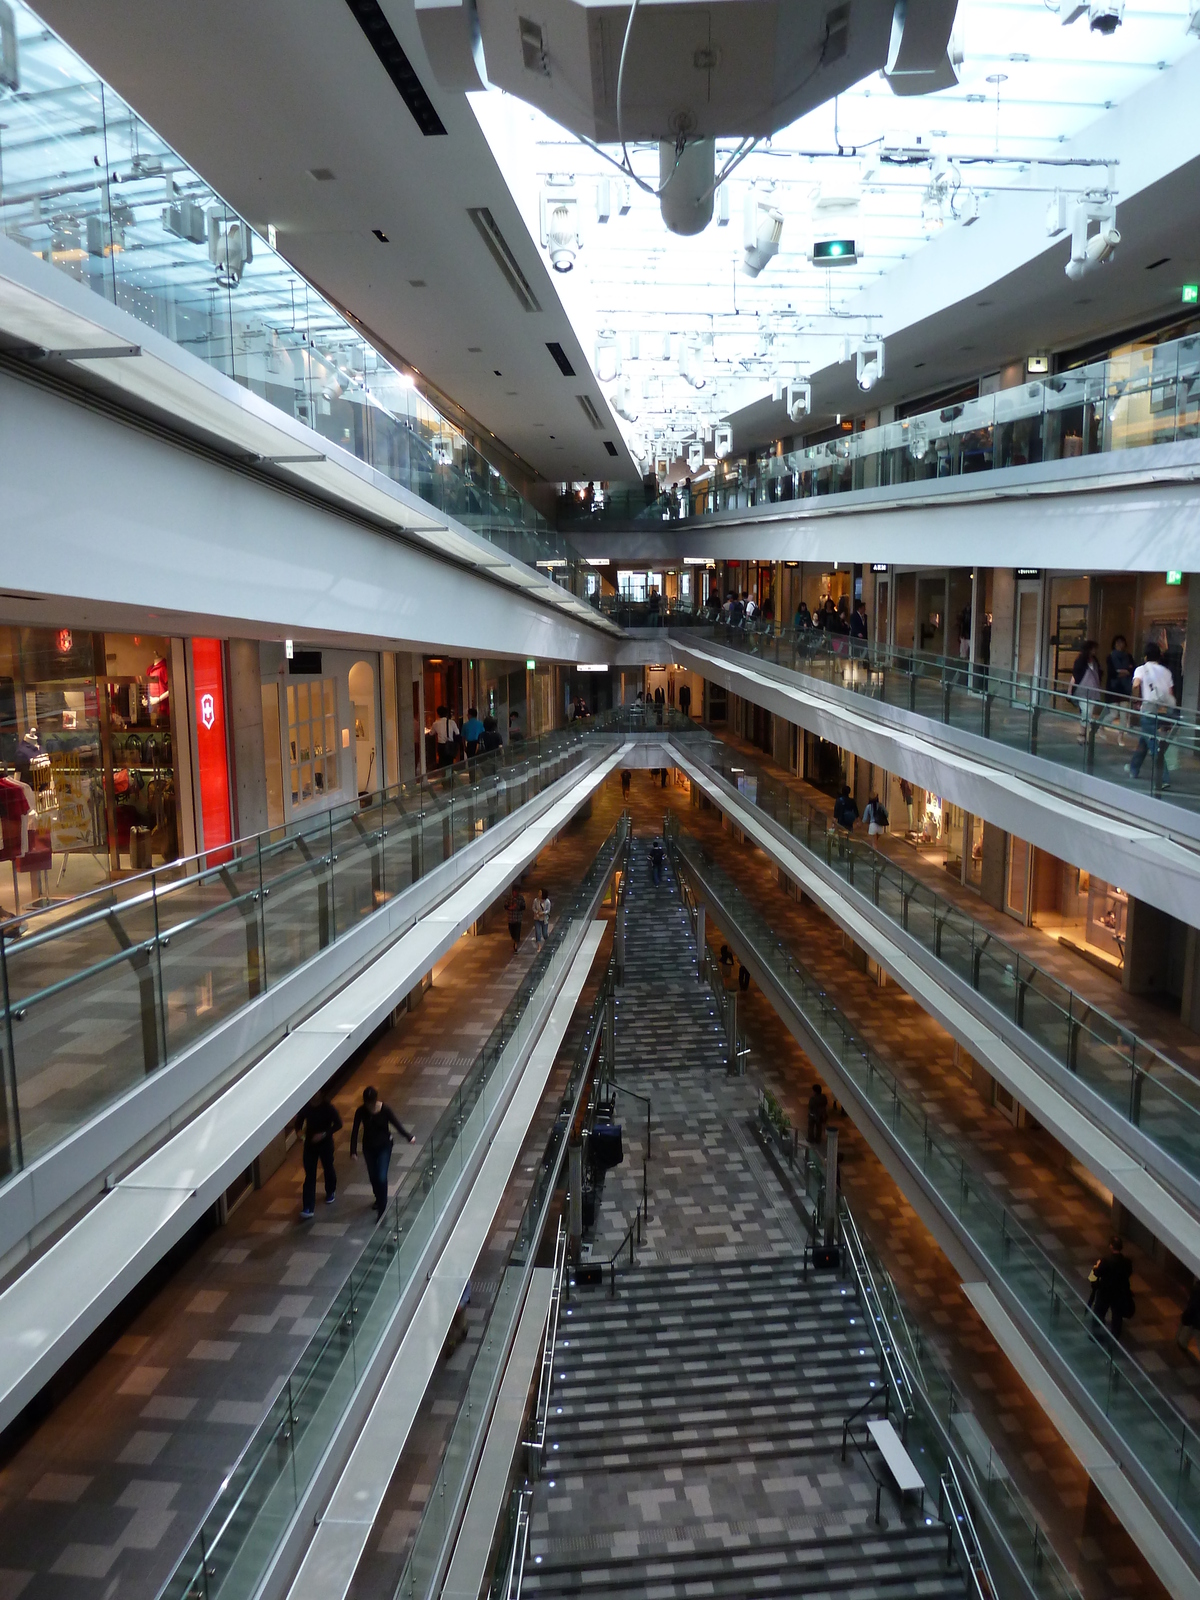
1094, 236
763, 231
799, 400
691, 358
608, 356
868, 364
722, 440
560, 233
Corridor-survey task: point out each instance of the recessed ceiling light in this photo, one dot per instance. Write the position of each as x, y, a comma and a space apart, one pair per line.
322, 174
381, 236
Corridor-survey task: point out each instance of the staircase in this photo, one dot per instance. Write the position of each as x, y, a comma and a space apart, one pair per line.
696, 1431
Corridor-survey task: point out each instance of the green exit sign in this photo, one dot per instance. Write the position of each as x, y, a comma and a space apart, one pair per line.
1174, 579
1191, 294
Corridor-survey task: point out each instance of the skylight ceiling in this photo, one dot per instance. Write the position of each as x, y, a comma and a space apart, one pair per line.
1027, 84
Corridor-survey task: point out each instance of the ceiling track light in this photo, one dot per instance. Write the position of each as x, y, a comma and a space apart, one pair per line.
868, 364
608, 356
1094, 236
763, 231
560, 229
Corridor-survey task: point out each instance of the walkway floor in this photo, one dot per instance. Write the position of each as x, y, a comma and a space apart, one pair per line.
103, 1495
1146, 1015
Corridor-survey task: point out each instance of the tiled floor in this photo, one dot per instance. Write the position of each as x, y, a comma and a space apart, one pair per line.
101, 1497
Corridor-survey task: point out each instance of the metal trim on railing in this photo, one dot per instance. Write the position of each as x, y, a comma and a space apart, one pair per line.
961, 1523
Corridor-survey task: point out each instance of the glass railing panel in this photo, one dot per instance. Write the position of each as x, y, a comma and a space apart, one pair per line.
93, 190
210, 967
81, 1042
1146, 1418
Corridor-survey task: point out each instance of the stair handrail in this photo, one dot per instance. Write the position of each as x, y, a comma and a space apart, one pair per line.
891, 1360
961, 1522
541, 1410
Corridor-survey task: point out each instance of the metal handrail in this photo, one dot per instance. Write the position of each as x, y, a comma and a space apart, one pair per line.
389, 1232
546, 1377
961, 1523
1124, 1375
890, 1357
516, 1561
1144, 1059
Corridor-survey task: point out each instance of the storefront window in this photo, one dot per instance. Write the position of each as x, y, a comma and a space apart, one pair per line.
974, 865
88, 780
312, 739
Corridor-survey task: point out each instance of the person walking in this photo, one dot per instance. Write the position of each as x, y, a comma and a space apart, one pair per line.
490, 738
446, 734
685, 699
514, 910
1154, 687
318, 1122
472, 731
626, 780
845, 809
1111, 1291
541, 918
858, 622
1189, 1320
1085, 685
802, 622
656, 861
875, 817
818, 1114
374, 1120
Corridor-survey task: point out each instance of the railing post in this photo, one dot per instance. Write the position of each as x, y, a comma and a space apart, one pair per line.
700, 940
11, 1059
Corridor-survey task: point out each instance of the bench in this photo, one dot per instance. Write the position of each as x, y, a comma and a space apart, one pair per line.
897, 1459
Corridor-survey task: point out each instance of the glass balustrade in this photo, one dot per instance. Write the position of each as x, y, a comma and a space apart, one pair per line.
1152, 752
1131, 400
86, 185
1135, 1079
921, 1391
102, 991
231, 1549
1151, 1427
421, 1569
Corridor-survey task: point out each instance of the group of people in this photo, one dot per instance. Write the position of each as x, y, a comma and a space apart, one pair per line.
834, 619
475, 737
1143, 695
741, 610
317, 1124
514, 912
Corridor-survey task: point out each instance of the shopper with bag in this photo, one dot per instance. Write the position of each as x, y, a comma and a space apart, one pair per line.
1154, 687
875, 816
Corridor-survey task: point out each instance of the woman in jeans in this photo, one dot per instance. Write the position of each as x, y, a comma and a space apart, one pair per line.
541, 917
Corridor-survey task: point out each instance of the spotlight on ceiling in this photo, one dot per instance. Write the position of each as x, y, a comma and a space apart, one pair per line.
695, 455
625, 400
686, 179
1194, 17
918, 442
608, 356
691, 361
722, 441
561, 238
1105, 16
868, 364
1094, 236
763, 231
798, 398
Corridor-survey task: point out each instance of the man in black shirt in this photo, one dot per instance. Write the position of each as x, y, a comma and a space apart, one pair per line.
374, 1118
318, 1122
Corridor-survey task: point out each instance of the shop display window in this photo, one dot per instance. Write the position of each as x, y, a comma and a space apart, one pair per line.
974, 864
312, 740
87, 761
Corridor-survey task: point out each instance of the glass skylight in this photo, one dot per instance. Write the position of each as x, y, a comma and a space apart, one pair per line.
1030, 90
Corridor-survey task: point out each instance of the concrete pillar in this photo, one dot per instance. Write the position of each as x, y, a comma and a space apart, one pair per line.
1147, 948
831, 1185
1189, 1008
1004, 606
406, 720
246, 737
1190, 700
995, 856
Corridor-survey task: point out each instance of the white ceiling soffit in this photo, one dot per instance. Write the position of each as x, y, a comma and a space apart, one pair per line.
258, 97
934, 217
41, 307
